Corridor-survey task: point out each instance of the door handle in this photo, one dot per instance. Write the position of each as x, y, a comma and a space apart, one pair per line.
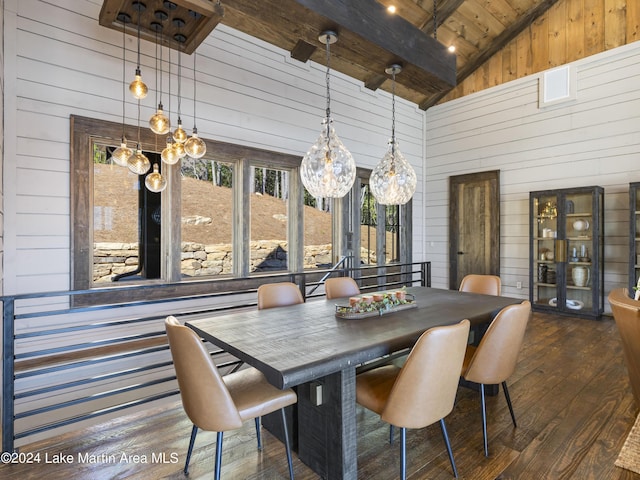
460, 253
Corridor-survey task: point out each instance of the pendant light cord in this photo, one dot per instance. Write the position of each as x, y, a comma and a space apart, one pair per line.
327, 78
124, 86
435, 20
194, 91
179, 83
393, 112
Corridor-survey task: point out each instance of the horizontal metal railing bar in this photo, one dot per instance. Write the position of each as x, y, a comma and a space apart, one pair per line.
77, 347
90, 398
84, 363
97, 413
88, 381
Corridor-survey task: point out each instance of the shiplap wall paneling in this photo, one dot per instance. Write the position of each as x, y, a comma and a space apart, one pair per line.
592, 140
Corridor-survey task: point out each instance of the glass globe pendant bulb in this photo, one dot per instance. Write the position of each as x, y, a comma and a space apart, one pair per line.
159, 122
121, 154
138, 88
154, 181
168, 155
138, 163
179, 135
328, 169
195, 146
178, 150
393, 181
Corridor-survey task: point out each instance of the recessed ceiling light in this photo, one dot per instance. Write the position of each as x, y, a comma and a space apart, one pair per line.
391, 9
452, 48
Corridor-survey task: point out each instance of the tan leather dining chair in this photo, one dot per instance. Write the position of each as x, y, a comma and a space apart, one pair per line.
423, 391
485, 284
626, 313
494, 359
338, 287
216, 403
280, 294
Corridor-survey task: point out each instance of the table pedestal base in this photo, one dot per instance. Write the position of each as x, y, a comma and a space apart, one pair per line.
327, 433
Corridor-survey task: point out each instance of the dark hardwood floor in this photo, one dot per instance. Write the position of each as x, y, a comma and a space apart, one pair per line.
570, 394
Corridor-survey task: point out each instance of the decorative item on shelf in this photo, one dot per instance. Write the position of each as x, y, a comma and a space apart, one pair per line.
393, 181
328, 169
137, 87
121, 154
569, 207
571, 304
548, 211
580, 276
551, 276
549, 255
195, 146
542, 273
581, 225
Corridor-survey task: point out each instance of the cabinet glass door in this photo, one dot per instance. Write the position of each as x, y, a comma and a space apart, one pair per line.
579, 228
545, 234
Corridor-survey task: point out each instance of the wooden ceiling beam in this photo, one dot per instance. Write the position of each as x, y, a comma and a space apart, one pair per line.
498, 44
444, 9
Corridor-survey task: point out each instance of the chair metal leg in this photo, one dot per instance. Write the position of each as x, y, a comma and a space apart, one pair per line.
286, 442
391, 432
218, 455
194, 432
506, 395
258, 435
403, 453
484, 420
445, 435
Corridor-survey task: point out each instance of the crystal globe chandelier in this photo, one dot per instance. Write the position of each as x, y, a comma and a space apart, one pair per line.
159, 123
393, 181
328, 169
155, 182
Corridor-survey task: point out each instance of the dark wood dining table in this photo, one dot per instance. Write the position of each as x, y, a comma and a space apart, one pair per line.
306, 346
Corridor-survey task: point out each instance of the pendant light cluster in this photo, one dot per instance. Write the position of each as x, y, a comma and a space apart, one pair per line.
328, 169
179, 144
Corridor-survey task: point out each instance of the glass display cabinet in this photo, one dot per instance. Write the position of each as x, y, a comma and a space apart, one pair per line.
634, 236
566, 251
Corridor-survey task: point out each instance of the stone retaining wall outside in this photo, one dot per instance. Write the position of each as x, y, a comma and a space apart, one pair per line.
207, 260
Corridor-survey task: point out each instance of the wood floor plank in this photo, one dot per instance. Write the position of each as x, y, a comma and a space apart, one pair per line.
570, 393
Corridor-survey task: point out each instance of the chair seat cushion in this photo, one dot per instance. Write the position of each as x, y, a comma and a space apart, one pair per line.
373, 387
254, 396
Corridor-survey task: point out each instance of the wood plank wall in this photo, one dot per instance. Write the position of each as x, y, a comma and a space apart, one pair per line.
591, 139
569, 31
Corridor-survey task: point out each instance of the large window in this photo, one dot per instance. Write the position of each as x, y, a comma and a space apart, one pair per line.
237, 212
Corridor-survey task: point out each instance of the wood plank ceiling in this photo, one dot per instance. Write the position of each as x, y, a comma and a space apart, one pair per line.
417, 35
477, 28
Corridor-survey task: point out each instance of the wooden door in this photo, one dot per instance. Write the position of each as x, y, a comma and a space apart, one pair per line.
474, 225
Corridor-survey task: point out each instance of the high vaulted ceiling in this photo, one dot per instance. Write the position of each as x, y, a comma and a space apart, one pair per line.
370, 38
477, 28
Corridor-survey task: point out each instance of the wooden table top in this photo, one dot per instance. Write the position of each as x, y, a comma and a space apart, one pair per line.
299, 343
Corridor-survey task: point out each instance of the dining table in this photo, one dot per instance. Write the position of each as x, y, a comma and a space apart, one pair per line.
311, 348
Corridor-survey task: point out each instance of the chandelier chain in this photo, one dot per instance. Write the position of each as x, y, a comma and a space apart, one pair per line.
435, 19
194, 90
327, 78
124, 84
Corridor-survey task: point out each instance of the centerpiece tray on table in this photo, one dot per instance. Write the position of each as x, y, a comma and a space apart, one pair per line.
375, 304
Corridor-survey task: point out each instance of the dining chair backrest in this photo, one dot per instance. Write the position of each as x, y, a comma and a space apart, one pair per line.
341, 287
205, 398
496, 356
425, 389
485, 284
626, 313
280, 294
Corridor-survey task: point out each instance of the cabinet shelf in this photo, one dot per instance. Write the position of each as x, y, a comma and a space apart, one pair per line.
573, 286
